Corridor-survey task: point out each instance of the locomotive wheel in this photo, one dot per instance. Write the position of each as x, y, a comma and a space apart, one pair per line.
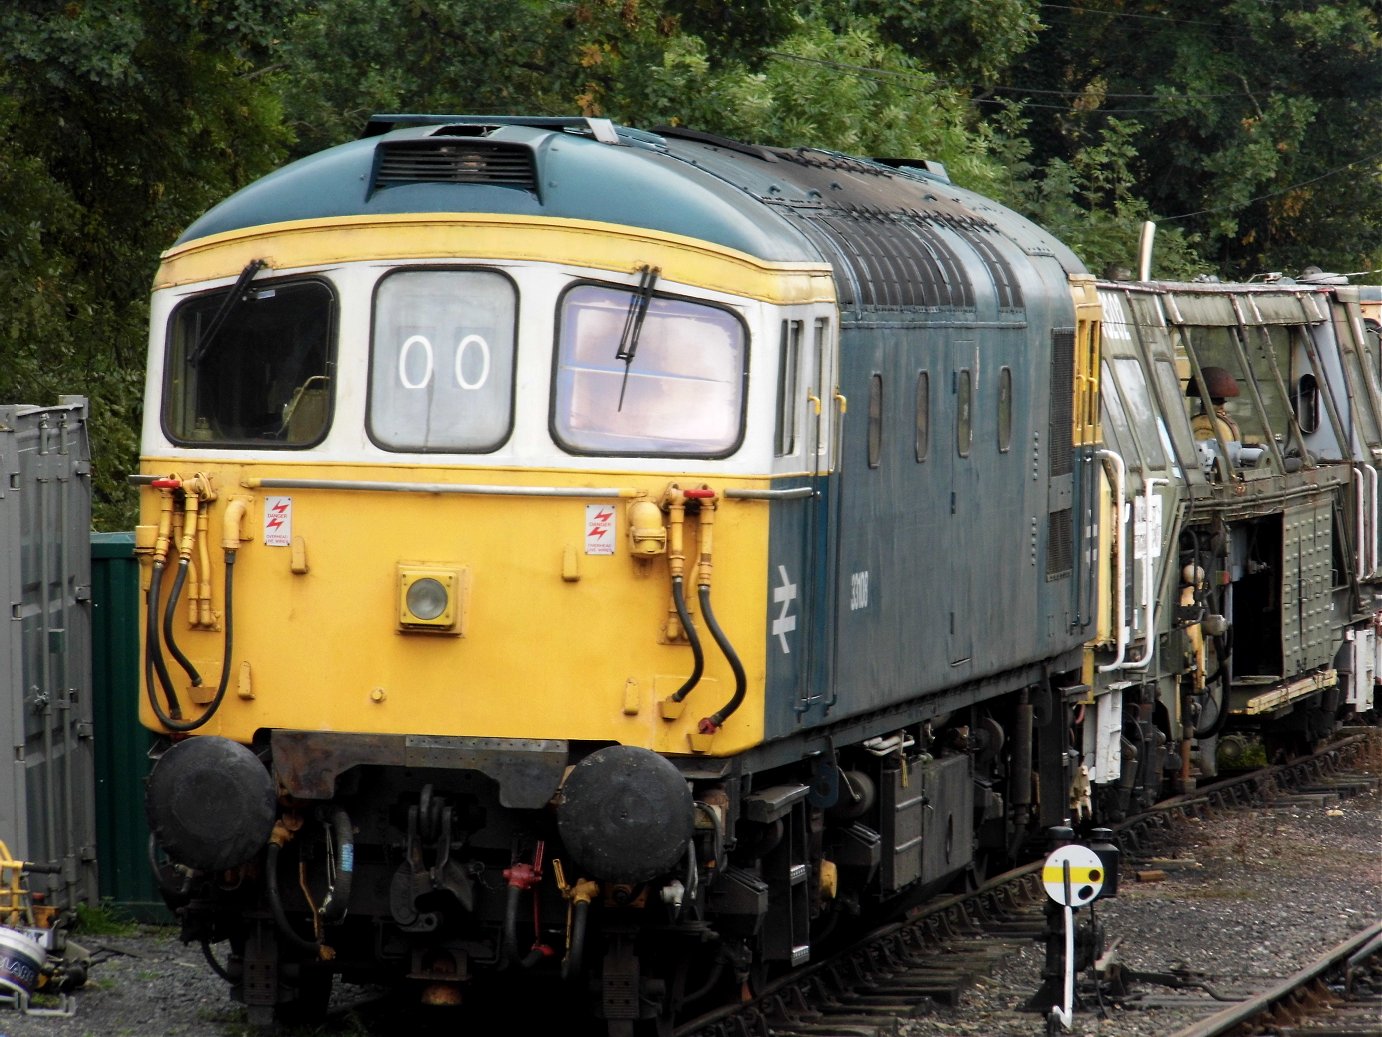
984, 865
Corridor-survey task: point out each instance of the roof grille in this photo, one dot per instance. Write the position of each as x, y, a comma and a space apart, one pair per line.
454, 160
889, 259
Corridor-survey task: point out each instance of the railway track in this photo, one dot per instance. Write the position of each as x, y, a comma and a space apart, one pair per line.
1339, 994
869, 988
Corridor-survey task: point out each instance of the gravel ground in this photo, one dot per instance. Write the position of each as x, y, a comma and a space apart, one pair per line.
1249, 896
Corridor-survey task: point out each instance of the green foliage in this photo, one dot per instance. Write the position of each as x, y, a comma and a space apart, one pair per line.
844, 89
786, 79
104, 919
852, 91
1090, 203
1245, 129
1253, 120
968, 41
345, 60
734, 30
120, 122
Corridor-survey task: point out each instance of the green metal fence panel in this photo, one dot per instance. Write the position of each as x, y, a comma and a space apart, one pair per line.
122, 745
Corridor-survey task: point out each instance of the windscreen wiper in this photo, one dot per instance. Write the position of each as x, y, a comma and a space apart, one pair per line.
238, 293
633, 324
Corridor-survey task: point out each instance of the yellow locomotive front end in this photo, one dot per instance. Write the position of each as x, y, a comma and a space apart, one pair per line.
453, 538
453, 507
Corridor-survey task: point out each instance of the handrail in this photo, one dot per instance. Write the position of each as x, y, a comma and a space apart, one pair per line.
1372, 562
1359, 549
795, 493
1121, 631
1148, 570
481, 489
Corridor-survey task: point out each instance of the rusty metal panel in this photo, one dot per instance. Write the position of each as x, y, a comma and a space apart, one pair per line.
1306, 587
527, 770
47, 814
1207, 310
1285, 307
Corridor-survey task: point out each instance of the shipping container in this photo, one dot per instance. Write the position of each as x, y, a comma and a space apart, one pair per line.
47, 812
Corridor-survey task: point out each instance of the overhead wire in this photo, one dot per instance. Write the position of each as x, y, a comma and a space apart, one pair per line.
874, 72
881, 73
1376, 156
1163, 19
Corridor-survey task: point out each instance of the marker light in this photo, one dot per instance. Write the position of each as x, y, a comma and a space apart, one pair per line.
430, 598
427, 599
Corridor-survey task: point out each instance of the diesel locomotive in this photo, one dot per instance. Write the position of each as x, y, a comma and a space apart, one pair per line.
636, 551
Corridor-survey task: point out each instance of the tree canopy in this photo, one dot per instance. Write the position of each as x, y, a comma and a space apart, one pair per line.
120, 121
1251, 124
1245, 129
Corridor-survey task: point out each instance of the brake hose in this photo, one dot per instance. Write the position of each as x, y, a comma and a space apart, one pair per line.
712, 723
171, 719
153, 654
276, 902
693, 638
337, 900
177, 654
716, 720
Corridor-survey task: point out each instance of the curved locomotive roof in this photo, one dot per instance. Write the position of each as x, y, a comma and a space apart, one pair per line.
889, 230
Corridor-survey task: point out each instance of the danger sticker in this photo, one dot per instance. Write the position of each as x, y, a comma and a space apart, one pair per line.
599, 529
278, 521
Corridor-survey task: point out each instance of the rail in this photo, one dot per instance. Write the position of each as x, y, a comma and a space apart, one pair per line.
1338, 961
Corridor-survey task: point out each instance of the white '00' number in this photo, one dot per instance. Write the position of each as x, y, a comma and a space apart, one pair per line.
423, 344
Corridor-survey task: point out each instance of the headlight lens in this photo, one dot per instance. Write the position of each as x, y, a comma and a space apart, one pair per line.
426, 599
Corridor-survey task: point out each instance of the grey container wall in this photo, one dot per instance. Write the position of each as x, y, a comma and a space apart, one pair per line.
122, 745
47, 815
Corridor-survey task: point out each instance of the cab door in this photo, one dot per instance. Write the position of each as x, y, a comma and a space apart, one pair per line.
803, 498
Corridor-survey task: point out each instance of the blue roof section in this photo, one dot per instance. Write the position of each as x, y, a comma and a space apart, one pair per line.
578, 178
684, 183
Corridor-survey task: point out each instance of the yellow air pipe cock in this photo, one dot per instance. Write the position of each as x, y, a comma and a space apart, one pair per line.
705, 560
165, 525
205, 618
674, 502
675, 505
578, 897
191, 504
230, 523
647, 537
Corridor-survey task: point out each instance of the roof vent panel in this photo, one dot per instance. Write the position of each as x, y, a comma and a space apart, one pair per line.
454, 160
